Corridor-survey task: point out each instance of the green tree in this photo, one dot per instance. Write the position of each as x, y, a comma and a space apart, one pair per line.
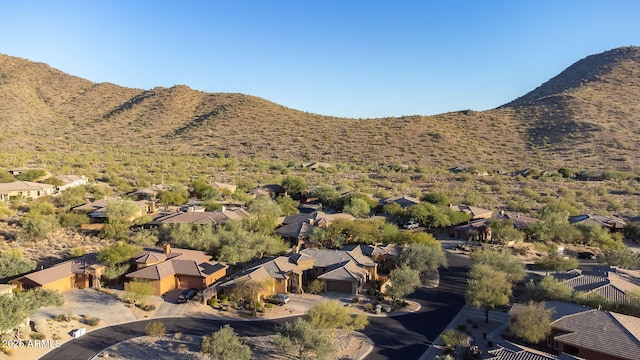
264, 213
225, 344
71, 220
303, 340
357, 207
120, 216
503, 232
548, 288
404, 281
203, 190
175, 196
532, 322
53, 181
295, 186
555, 262
554, 224
632, 231
327, 194
331, 315
249, 291
437, 198
622, 257
117, 253
288, 206
12, 264
423, 258
16, 308
5, 177
37, 226
5, 210
502, 261
488, 288
138, 292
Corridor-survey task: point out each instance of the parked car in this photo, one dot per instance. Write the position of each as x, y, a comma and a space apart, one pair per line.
410, 225
278, 299
586, 255
187, 295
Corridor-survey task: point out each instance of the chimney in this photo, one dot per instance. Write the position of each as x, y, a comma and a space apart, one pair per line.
167, 248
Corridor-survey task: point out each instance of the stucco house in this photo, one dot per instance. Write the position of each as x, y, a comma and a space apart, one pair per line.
81, 272
589, 333
403, 200
344, 271
70, 181
201, 218
475, 212
167, 269
26, 189
603, 281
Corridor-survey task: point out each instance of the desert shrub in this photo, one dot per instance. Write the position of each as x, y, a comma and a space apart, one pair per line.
316, 287
155, 328
369, 307
38, 336
61, 318
148, 307
92, 321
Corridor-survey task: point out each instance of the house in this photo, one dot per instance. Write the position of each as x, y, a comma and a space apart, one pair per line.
476, 212
150, 193
589, 333
478, 230
383, 255
201, 218
519, 220
603, 281
80, 272
167, 269
286, 272
297, 228
70, 181
26, 189
403, 200
271, 190
609, 223
97, 210
515, 353
344, 271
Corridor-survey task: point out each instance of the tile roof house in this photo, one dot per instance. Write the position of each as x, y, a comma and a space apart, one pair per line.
271, 190
70, 181
590, 333
519, 220
201, 218
167, 269
403, 200
80, 272
340, 270
476, 212
515, 353
27, 189
297, 228
612, 224
608, 283
478, 230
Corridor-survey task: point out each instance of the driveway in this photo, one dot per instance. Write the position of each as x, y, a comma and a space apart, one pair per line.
170, 305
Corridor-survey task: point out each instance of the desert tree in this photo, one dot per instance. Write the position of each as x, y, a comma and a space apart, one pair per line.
423, 258
404, 281
332, 315
532, 322
303, 340
488, 288
225, 344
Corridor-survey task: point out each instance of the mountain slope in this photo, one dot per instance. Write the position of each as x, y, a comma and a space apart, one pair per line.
587, 116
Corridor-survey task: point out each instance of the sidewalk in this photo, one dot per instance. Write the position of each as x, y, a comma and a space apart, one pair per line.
473, 321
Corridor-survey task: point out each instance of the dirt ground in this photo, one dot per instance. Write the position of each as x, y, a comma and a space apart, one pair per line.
351, 346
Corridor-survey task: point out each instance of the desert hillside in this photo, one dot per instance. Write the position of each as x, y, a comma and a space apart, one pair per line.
586, 117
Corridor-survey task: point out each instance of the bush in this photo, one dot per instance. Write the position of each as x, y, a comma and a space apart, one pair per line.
155, 328
316, 287
369, 307
355, 300
149, 307
224, 298
92, 321
61, 318
213, 302
38, 336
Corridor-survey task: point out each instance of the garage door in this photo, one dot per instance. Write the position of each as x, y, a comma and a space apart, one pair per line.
339, 286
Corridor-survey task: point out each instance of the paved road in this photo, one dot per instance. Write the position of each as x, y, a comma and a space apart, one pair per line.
408, 336
95, 341
401, 337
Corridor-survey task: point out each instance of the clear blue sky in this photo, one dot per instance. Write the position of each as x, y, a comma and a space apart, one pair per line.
358, 59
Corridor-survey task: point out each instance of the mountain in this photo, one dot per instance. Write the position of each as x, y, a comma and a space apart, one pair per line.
586, 117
